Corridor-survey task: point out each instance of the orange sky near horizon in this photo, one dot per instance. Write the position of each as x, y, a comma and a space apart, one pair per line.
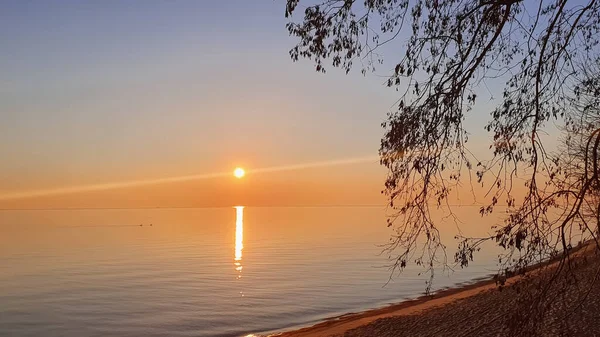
353, 184
358, 183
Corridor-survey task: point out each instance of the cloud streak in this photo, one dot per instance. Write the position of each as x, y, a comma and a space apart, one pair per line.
135, 183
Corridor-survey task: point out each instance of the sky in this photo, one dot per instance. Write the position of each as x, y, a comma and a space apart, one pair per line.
110, 92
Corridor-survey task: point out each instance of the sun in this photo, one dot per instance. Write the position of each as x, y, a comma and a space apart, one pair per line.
239, 172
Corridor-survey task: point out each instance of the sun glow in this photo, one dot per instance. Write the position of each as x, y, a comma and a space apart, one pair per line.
239, 172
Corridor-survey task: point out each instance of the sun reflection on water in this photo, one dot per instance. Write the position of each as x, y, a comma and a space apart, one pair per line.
239, 239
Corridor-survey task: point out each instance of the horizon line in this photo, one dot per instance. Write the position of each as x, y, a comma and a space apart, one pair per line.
215, 207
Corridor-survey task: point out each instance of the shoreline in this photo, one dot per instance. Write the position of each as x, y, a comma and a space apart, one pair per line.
342, 323
339, 325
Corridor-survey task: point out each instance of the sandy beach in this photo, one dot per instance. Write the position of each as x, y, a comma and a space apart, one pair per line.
482, 309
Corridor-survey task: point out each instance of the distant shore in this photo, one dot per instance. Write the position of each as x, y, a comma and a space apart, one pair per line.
478, 309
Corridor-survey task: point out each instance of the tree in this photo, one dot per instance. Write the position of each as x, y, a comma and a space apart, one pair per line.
444, 50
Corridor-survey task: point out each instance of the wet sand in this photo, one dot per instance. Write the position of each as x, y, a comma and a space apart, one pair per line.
483, 309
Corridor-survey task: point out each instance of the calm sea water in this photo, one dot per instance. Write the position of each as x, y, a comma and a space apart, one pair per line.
202, 272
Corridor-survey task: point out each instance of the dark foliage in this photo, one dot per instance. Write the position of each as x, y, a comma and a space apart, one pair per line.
544, 52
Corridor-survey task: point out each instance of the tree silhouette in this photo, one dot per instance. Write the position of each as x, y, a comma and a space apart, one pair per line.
543, 52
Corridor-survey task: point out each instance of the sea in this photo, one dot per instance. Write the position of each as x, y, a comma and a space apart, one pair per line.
230, 271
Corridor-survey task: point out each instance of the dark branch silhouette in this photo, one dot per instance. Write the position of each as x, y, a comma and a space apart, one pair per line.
545, 53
